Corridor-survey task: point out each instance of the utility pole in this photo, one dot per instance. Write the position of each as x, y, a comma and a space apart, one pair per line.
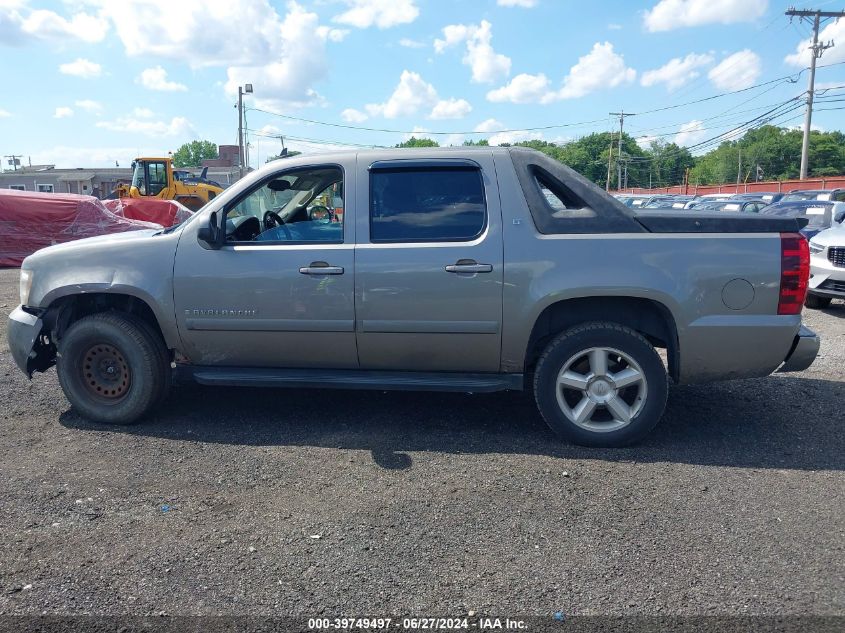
14, 160
241, 131
246, 88
817, 50
621, 116
609, 161
739, 166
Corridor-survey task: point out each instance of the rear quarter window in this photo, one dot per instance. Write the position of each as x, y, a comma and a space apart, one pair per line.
427, 205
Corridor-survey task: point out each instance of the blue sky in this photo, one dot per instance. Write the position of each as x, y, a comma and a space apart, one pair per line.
99, 81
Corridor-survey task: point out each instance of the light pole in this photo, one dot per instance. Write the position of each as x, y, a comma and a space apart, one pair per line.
245, 89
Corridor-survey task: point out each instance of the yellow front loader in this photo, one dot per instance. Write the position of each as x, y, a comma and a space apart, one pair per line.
156, 178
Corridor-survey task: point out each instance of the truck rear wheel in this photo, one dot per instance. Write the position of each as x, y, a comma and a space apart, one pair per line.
601, 384
112, 367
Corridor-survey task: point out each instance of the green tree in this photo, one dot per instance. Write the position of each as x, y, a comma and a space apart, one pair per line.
418, 142
192, 154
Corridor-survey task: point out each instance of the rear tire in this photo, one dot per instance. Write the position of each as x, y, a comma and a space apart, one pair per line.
113, 368
815, 302
601, 384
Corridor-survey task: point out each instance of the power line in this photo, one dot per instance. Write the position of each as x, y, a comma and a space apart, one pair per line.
791, 78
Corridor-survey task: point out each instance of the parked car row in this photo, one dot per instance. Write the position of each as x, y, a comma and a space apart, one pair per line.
825, 228
822, 207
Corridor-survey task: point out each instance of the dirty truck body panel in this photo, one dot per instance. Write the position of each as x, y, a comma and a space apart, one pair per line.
519, 250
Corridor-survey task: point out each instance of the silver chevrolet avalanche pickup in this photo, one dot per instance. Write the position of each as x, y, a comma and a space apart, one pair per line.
468, 270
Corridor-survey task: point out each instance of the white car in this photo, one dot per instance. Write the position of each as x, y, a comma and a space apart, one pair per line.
827, 267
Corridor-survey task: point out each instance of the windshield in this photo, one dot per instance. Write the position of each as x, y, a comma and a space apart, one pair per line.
818, 213
805, 195
138, 178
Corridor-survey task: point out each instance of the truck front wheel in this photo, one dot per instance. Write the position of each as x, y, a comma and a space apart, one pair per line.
601, 384
112, 367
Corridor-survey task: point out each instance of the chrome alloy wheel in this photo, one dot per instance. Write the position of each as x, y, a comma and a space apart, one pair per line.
601, 389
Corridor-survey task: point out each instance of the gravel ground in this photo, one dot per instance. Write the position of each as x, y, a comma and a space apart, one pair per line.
326, 503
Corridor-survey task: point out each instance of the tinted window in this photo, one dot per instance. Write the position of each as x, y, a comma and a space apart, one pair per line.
426, 205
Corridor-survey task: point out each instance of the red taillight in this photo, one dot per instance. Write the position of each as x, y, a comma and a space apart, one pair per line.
794, 272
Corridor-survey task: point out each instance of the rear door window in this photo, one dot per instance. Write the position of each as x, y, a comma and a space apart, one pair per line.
443, 204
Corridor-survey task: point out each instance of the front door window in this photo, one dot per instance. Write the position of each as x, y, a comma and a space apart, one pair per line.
300, 206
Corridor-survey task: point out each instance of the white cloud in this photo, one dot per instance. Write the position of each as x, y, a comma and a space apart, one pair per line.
81, 68
380, 13
737, 71
833, 31
527, 4
411, 94
645, 142
4, 114
409, 43
143, 113
676, 72
89, 105
690, 133
332, 35
667, 15
62, 112
20, 24
487, 65
600, 68
156, 79
491, 126
451, 109
199, 32
300, 60
523, 88
351, 115
178, 126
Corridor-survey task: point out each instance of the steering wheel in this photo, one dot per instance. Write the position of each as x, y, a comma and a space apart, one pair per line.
272, 220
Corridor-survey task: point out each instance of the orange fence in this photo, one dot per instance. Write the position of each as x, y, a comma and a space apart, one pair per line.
832, 182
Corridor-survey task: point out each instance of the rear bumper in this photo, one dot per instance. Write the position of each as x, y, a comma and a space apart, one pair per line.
804, 351
22, 333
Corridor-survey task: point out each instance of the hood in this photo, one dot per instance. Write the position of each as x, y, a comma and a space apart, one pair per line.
830, 237
129, 239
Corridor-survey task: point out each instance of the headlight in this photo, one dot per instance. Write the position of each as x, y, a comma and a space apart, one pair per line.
814, 248
26, 285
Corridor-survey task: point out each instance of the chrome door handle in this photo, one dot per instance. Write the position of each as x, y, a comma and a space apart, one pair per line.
321, 268
469, 266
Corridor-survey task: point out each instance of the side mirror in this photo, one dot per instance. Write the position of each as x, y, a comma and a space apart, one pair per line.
210, 234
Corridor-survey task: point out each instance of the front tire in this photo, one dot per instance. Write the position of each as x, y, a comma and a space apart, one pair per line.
113, 368
601, 384
817, 303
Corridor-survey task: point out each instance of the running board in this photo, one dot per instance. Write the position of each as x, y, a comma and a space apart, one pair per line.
354, 379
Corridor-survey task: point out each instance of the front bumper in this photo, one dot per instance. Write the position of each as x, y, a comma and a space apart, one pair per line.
22, 333
826, 280
805, 348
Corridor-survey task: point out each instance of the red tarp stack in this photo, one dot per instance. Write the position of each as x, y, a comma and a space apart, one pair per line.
164, 212
30, 221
